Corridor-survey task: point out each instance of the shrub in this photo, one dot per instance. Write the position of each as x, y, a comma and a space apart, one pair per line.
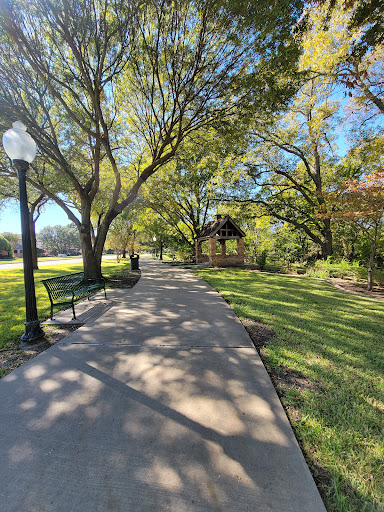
262, 259
5, 246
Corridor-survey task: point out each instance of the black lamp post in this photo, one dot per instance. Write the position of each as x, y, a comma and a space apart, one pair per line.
154, 247
21, 149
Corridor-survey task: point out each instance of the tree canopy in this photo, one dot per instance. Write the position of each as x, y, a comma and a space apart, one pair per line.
5, 246
110, 90
59, 239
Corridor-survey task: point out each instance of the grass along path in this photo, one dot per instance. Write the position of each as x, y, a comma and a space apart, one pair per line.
327, 363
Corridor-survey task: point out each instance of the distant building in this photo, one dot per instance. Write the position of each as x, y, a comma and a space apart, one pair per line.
18, 251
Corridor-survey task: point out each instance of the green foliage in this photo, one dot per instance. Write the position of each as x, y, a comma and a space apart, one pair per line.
59, 239
183, 193
342, 269
289, 164
150, 225
275, 80
191, 97
122, 233
290, 245
293, 162
12, 238
328, 373
261, 259
5, 245
339, 42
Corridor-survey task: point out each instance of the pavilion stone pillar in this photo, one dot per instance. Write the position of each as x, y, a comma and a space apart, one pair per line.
223, 251
198, 252
240, 247
212, 247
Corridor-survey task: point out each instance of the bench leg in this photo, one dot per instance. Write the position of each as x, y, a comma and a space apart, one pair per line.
73, 309
105, 293
51, 311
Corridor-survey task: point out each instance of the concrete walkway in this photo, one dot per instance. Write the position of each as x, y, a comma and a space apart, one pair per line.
160, 405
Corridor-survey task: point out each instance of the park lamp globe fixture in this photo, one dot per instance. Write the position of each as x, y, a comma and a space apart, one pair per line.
154, 239
18, 144
21, 149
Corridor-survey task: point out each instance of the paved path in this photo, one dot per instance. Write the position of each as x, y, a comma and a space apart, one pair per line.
160, 405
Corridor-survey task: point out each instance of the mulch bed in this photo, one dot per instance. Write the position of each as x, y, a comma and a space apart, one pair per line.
124, 279
358, 288
14, 356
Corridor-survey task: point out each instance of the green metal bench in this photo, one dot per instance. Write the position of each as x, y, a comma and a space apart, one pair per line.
69, 288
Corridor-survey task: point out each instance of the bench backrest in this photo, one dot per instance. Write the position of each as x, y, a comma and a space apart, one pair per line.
59, 286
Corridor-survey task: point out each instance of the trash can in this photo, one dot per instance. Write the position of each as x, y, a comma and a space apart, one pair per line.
134, 261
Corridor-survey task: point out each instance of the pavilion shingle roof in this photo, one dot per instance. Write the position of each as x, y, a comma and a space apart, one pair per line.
213, 228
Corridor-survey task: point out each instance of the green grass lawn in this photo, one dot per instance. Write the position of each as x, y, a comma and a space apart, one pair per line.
41, 258
12, 302
327, 362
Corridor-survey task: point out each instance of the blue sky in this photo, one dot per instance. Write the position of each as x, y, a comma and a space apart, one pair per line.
51, 216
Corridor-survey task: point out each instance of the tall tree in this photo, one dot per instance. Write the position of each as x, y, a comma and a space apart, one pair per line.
362, 202
12, 238
5, 247
365, 16
121, 233
290, 164
113, 88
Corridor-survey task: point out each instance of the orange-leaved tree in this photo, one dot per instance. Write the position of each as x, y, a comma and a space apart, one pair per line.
361, 201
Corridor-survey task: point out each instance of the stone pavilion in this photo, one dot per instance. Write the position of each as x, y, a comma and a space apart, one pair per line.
220, 230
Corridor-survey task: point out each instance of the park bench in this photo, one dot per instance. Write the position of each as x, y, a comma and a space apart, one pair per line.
69, 288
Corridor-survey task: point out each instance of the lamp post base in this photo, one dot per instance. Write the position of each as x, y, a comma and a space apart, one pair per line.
32, 332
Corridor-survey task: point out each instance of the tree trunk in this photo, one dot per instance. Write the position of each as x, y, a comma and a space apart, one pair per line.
370, 268
93, 252
352, 252
327, 246
372, 260
91, 262
161, 249
133, 243
92, 267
